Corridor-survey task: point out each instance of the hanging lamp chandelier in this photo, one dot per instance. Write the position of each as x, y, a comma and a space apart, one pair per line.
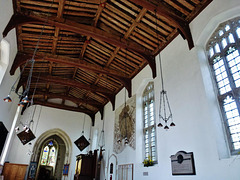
165, 113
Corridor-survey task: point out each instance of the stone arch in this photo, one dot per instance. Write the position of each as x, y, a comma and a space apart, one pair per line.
214, 23
46, 135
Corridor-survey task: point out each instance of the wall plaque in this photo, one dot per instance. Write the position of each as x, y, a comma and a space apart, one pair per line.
183, 163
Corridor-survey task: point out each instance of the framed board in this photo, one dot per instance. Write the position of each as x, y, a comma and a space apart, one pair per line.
183, 163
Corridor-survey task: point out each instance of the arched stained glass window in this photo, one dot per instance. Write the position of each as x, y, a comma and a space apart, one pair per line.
224, 57
52, 156
49, 153
45, 155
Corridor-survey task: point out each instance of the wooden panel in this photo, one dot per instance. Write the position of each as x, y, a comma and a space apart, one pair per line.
14, 171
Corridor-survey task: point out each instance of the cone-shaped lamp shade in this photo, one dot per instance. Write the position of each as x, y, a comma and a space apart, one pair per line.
126, 141
21, 104
7, 99
17, 129
25, 99
166, 127
160, 125
172, 124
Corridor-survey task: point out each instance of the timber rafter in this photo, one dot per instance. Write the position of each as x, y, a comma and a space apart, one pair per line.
22, 58
89, 50
163, 10
68, 108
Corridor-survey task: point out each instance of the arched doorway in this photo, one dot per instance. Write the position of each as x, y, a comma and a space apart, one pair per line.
51, 151
50, 162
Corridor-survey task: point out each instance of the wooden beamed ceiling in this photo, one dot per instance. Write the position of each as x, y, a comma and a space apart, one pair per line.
89, 50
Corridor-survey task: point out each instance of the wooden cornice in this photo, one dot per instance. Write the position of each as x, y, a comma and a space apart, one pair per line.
68, 108
164, 11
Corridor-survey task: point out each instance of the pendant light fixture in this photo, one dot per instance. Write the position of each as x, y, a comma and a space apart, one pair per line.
165, 113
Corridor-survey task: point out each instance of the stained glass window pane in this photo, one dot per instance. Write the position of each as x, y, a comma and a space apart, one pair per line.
45, 155
52, 156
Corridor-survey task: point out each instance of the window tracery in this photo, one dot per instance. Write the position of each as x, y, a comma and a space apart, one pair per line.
223, 53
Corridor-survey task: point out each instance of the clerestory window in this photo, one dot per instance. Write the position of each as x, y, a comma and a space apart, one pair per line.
149, 123
223, 53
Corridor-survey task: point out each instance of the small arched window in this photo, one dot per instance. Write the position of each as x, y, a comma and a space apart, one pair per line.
4, 57
149, 123
224, 58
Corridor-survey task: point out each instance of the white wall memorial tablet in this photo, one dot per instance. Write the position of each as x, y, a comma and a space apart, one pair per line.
183, 163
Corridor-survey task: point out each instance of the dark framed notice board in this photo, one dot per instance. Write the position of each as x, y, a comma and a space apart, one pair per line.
183, 163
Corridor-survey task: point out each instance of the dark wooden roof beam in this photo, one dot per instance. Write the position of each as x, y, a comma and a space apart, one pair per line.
22, 57
68, 82
164, 11
19, 19
68, 108
69, 98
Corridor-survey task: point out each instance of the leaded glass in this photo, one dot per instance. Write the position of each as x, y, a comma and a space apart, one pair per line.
52, 154
45, 155
48, 157
238, 32
226, 68
149, 122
